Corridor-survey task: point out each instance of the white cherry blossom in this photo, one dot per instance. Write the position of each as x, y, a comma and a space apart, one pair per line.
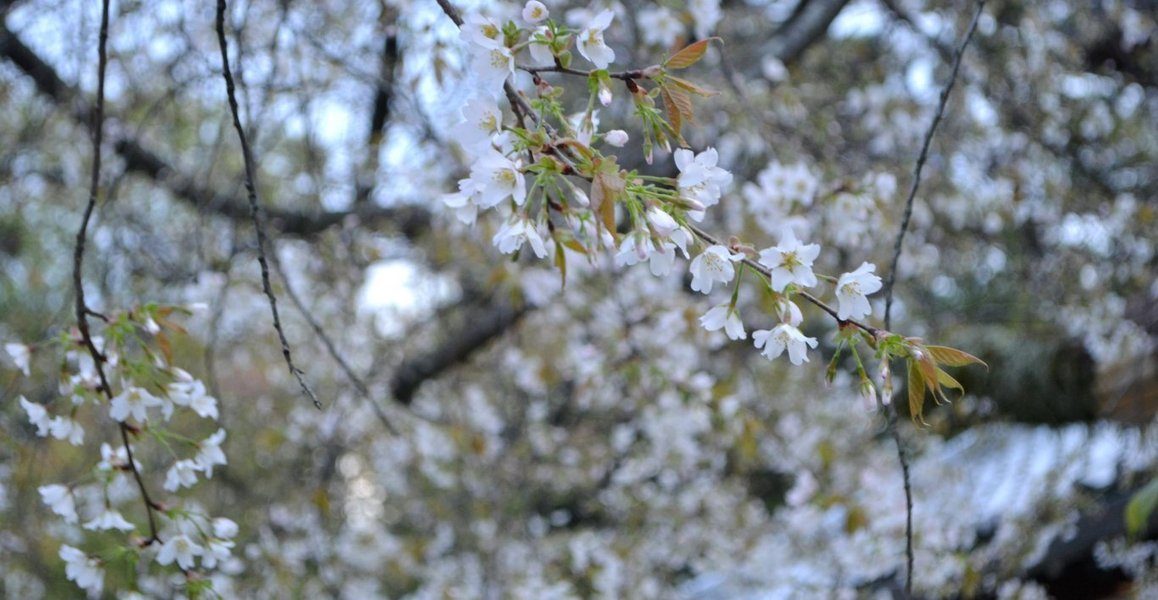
659, 26
109, 519
37, 415
481, 31
210, 454
181, 549
462, 201
724, 316
183, 473
663, 259
20, 355
616, 137
83, 570
706, 14
590, 41
790, 262
852, 289
700, 180
535, 12
540, 47
784, 336
789, 312
712, 265
635, 248
482, 121
132, 401
515, 232
66, 428
492, 66
495, 178
59, 499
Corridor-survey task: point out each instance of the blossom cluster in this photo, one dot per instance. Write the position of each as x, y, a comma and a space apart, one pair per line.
95, 503
537, 174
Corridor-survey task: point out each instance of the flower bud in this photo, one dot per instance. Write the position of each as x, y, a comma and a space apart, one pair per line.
616, 137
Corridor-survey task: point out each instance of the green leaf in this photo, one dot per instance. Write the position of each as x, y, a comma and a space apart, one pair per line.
952, 357
1140, 507
830, 372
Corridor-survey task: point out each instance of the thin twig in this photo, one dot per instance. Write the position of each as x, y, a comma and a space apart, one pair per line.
922, 157
82, 310
902, 455
255, 208
331, 348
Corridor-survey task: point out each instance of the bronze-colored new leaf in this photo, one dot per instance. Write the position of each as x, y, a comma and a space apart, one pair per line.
688, 55
952, 357
691, 87
916, 392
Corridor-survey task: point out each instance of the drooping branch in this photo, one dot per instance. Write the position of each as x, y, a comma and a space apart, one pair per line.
82, 309
891, 423
255, 208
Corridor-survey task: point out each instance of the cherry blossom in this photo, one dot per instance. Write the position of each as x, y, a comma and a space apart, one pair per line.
616, 137
20, 355
109, 519
535, 12
210, 454
59, 499
465, 210
852, 289
515, 232
183, 473
590, 41
133, 401
495, 178
482, 121
83, 570
784, 336
635, 248
724, 316
790, 262
66, 428
37, 415
712, 265
700, 179
181, 549
659, 26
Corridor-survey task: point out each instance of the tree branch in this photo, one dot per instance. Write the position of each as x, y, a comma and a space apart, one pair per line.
483, 324
411, 221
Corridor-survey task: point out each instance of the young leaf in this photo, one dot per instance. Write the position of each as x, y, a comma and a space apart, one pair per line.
1140, 508
561, 262
952, 357
916, 392
691, 87
689, 55
673, 110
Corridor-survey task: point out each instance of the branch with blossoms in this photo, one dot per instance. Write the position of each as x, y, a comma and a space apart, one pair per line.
642, 217
117, 361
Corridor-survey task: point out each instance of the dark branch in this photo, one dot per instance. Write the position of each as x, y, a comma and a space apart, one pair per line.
809, 22
411, 221
255, 207
82, 310
892, 277
483, 323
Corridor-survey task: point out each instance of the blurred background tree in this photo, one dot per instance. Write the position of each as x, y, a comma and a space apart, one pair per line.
486, 434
